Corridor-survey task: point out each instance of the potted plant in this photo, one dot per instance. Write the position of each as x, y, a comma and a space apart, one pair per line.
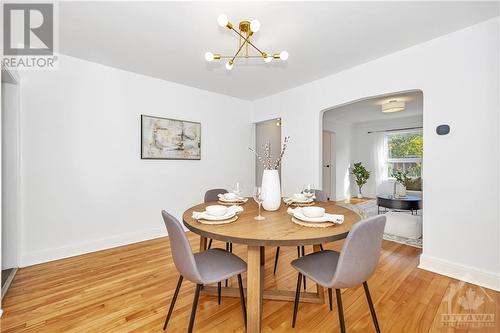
402, 178
361, 175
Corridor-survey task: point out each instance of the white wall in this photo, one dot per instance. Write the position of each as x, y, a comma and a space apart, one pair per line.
84, 185
342, 157
362, 147
458, 74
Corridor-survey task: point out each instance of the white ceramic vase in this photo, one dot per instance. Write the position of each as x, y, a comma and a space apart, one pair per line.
271, 190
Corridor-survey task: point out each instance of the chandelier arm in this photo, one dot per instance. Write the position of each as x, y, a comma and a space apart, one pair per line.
234, 57
249, 42
239, 56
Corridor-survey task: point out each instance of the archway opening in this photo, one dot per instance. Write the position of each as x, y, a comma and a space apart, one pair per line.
372, 160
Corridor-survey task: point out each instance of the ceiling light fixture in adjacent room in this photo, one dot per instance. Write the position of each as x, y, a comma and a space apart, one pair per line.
393, 106
246, 30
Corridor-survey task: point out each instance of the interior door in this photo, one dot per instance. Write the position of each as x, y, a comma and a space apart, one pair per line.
327, 163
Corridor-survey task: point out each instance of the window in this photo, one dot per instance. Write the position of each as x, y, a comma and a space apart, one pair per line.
404, 152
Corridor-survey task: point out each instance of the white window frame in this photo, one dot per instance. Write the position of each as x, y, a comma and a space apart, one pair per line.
398, 160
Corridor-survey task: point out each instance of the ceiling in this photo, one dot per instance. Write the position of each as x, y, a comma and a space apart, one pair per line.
168, 40
370, 109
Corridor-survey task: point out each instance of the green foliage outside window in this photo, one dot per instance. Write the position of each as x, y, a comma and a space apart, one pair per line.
405, 152
406, 145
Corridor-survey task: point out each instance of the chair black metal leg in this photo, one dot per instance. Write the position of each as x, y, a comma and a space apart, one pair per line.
210, 243
330, 298
227, 249
372, 309
340, 309
296, 302
231, 247
298, 251
242, 300
276, 259
172, 304
304, 277
195, 305
219, 287
321, 247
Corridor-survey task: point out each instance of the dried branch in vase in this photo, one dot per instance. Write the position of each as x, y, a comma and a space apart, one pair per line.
267, 160
278, 161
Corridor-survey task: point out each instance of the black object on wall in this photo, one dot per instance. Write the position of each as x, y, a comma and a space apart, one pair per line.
443, 129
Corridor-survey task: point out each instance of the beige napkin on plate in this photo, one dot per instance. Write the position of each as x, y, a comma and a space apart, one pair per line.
297, 212
231, 211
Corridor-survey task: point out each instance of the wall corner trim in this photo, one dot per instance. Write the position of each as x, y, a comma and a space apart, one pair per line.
461, 272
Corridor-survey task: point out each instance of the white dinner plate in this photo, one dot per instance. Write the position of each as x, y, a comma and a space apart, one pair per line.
333, 218
208, 217
292, 200
304, 218
237, 200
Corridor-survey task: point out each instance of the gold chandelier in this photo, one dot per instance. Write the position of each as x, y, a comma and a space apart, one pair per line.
246, 30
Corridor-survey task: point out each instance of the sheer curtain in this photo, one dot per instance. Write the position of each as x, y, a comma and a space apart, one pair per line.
378, 160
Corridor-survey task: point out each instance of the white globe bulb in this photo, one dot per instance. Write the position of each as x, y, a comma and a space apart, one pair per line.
284, 55
268, 59
229, 66
209, 56
222, 20
254, 25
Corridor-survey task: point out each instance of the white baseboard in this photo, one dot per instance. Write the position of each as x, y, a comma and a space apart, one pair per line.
461, 272
38, 257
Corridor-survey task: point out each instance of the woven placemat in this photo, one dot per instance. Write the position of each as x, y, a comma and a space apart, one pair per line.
236, 203
311, 224
299, 204
232, 219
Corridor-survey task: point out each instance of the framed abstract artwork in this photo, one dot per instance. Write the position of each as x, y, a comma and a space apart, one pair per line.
170, 139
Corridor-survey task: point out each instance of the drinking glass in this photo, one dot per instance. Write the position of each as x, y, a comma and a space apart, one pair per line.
258, 196
308, 190
237, 189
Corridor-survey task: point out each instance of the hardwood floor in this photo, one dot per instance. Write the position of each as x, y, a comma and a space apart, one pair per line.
355, 200
128, 289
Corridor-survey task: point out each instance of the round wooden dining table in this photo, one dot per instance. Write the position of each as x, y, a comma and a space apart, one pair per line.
276, 230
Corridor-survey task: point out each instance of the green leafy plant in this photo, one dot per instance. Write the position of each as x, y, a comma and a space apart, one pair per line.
401, 177
406, 145
360, 174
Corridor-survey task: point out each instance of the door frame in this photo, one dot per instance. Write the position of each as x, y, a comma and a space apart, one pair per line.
12, 77
332, 191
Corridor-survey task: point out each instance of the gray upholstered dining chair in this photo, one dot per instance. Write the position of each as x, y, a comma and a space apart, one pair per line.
353, 266
202, 268
213, 195
320, 197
